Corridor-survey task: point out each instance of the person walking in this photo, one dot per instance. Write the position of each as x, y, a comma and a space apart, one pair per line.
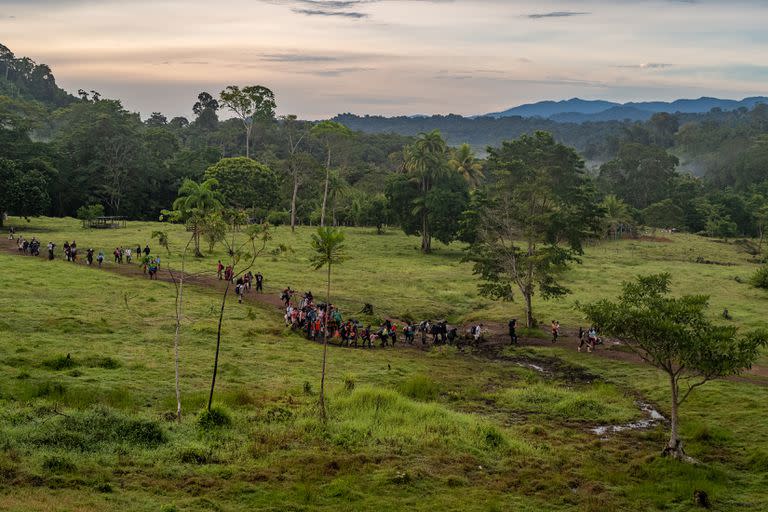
259, 282
513, 331
220, 270
555, 330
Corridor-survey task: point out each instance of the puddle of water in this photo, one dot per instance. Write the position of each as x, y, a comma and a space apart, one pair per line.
532, 366
653, 417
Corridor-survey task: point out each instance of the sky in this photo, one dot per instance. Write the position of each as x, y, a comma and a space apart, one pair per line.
393, 57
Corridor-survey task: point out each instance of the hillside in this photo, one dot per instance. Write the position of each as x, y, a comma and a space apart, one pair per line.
23, 78
577, 110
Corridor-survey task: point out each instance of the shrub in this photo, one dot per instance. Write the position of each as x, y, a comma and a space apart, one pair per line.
349, 382
279, 218
60, 363
216, 417
105, 362
58, 464
760, 278
87, 431
420, 387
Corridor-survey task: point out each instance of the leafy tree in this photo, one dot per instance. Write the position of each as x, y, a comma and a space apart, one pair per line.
372, 211
252, 104
674, 335
328, 250
640, 175
464, 161
194, 203
332, 135
24, 190
245, 183
539, 212
205, 109
426, 162
156, 120
664, 214
618, 216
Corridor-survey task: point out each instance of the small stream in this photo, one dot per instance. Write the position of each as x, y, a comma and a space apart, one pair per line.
653, 418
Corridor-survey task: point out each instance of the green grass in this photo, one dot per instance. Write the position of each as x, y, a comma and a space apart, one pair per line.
407, 429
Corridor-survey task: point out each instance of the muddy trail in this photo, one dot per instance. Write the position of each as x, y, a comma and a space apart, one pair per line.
494, 341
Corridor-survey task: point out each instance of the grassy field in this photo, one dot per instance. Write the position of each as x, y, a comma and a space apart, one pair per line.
408, 429
389, 272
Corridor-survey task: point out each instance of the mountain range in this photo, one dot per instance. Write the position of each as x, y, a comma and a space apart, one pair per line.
577, 110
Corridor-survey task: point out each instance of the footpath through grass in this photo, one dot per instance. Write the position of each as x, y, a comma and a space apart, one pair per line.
86, 397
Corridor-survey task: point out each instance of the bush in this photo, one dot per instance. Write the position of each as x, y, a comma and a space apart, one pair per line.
60, 363
420, 387
58, 464
760, 278
87, 431
216, 417
349, 382
279, 218
90, 212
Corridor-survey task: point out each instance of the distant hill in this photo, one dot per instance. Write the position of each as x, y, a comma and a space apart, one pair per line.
22, 77
581, 111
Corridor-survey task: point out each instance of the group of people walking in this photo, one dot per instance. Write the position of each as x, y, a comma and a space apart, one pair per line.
31, 247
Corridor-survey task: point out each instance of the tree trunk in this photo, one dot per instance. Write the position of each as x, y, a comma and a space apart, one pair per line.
196, 233
325, 196
426, 237
293, 203
529, 321
218, 344
675, 446
248, 128
325, 344
325, 192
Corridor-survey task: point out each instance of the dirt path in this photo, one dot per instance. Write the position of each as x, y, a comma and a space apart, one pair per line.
495, 340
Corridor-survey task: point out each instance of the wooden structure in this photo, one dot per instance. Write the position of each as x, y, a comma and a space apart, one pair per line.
106, 222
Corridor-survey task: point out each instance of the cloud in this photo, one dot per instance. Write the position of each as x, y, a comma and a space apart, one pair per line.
557, 14
325, 12
296, 57
647, 65
335, 71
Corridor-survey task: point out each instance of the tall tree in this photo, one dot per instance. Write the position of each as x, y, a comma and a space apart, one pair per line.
332, 135
295, 136
426, 161
194, 203
251, 104
243, 250
675, 335
539, 213
205, 109
245, 184
327, 250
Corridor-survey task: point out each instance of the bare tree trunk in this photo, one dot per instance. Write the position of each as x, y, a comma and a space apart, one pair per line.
293, 202
325, 344
325, 191
675, 446
218, 344
248, 128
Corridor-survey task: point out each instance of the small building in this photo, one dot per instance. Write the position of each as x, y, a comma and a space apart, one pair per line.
105, 223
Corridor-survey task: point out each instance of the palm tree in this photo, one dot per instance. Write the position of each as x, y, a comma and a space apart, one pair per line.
426, 161
328, 247
617, 214
464, 161
195, 202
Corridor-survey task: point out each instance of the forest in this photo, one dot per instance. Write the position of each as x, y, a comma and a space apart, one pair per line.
60, 153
